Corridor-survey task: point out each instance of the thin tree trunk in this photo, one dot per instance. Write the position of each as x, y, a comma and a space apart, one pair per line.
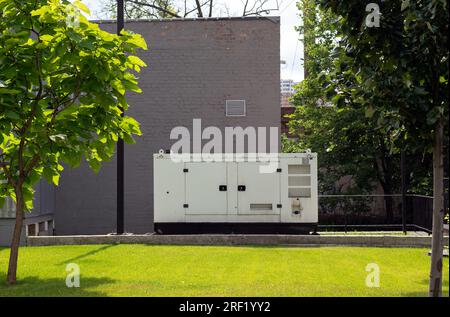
385, 179
404, 181
438, 213
389, 207
210, 8
383, 165
14, 254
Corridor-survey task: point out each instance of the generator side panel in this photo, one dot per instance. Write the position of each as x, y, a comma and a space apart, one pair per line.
169, 190
299, 193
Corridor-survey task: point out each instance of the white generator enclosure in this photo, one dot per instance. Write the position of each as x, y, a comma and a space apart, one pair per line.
249, 195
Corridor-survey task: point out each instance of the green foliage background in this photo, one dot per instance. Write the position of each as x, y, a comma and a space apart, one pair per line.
371, 92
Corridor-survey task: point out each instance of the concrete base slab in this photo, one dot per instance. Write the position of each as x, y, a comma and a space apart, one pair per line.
239, 239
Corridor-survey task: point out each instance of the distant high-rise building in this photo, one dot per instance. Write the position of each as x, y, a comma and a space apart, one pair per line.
287, 86
286, 92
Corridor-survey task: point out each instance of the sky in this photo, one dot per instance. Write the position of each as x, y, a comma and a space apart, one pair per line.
291, 49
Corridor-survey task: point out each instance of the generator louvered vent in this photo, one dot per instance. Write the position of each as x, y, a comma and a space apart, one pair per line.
235, 108
299, 180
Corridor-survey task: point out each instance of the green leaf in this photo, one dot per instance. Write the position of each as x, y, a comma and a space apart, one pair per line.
28, 193
7, 91
138, 41
12, 115
369, 112
48, 174
80, 5
40, 11
405, 5
128, 139
95, 165
117, 85
73, 158
46, 38
131, 86
136, 61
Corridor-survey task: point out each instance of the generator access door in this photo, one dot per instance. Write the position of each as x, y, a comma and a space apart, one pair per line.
206, 188
258, 190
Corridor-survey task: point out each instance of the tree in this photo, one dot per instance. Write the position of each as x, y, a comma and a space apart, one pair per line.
62, 83
154, 9
398, 73
349, 144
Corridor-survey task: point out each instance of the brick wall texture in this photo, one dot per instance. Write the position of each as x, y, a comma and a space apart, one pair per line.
194, 66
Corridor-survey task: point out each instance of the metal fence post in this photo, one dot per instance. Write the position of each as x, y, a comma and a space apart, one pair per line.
404, 189
120, 229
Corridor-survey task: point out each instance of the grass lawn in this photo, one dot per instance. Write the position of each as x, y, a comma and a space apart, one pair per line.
141, 270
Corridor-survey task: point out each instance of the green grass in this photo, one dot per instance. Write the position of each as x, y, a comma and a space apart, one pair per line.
140, 270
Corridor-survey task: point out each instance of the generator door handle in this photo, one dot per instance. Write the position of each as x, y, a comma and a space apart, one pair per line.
241, 188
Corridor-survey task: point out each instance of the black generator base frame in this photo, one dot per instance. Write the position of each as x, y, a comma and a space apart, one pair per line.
235, 228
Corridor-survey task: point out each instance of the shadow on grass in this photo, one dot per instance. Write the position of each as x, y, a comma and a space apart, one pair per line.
87, 254
42, 287
425, 284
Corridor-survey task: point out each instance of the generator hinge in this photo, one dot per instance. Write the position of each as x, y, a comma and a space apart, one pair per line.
279, 206
185, 205
279, 170
185, 170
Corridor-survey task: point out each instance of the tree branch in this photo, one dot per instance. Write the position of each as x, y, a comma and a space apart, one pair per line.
245, 7
4, 166
155, 7
258, 8
199, 8
29, 167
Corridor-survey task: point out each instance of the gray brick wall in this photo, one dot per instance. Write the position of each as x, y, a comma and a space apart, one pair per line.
6, 231
43, 209
193, 67
44, 200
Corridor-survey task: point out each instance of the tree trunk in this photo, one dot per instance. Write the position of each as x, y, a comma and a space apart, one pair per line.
388, 201
14, 254
438, 212
384, 168
199, 9
389, 207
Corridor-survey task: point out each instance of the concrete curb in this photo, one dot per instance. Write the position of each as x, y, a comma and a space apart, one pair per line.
239, 239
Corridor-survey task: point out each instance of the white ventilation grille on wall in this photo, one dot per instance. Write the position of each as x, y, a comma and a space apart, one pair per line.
235, 108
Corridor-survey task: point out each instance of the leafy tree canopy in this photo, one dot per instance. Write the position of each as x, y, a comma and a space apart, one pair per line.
398, 71
62, 86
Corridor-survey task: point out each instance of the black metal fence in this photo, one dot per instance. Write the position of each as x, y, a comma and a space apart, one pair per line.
377, 212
